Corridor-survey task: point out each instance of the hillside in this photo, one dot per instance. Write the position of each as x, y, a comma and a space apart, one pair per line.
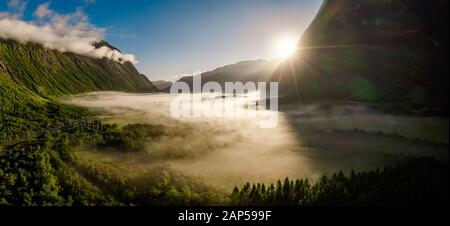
245, 71
388, 52
52, 73
162, 84
39, 134
31, 77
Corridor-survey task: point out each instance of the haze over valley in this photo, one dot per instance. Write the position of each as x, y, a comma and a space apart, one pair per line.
309, 141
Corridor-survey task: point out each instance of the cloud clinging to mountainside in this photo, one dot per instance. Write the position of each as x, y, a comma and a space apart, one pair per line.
64, 32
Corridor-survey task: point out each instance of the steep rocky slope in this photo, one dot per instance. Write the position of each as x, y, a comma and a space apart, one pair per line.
388, 52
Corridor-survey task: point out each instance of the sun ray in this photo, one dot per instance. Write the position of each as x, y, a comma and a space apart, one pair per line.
286, 47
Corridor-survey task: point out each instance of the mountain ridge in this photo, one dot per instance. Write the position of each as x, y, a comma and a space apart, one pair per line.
50, 72
33, 77
386, 52
242, 71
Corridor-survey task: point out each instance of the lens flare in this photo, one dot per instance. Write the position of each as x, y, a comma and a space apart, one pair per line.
286, 47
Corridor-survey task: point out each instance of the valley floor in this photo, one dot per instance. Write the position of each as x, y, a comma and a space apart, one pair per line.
309, 141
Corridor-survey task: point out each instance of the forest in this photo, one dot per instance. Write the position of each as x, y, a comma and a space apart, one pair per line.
415, 181
42, 169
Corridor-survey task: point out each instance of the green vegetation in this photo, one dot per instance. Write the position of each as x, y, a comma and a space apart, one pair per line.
47, 171
131, 137
35, 176
31, 76
38, 176
39, 166
51, 73
37, 133
159, 186
40, 142
421, 181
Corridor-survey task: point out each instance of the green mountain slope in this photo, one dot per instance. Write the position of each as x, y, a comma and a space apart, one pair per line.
387, 52
32, 76
50, 72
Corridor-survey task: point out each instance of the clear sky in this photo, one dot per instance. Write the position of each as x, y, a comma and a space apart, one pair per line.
176, 37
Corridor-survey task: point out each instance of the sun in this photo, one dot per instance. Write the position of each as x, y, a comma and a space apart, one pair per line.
286, 47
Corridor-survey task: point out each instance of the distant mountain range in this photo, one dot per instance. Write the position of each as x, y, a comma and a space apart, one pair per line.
387, 52
391, 53
162, 84
256, 70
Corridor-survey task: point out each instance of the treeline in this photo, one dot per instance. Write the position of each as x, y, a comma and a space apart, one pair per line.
418, 181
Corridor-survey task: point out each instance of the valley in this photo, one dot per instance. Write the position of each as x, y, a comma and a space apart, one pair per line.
309, 142
361, 104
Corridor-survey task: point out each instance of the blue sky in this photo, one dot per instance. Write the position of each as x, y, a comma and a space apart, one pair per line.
175, 37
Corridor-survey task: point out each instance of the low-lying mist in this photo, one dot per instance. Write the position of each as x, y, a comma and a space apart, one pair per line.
309, 141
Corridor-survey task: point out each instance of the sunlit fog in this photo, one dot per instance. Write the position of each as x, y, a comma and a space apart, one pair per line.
309, 141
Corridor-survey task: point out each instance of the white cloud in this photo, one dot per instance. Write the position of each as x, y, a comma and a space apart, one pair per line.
64, 32
43, 11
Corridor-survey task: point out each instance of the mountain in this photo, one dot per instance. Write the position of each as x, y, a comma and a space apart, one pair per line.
162, 84
31, 77
245, 71
50, 72
386, 52
102, 43
382, 22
